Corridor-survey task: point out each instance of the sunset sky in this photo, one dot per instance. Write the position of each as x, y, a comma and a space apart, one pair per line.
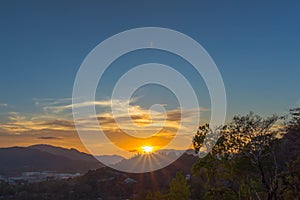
256, 46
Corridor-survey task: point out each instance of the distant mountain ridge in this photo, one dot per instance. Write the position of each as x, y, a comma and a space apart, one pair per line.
15, 160
72, 153
42, 157
110, 159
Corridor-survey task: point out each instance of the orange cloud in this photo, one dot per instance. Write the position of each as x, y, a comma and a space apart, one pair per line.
139, 128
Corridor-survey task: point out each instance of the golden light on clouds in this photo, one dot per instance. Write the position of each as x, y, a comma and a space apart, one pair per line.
130, 133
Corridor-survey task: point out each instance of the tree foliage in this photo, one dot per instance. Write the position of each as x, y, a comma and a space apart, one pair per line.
179, 189
250, 136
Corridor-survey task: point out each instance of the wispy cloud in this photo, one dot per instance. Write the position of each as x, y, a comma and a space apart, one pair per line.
59, 106
129, 127
3, 105
18, 123
49, 138
51, 101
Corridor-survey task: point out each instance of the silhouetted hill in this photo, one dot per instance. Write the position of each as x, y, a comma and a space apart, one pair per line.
15, 160
72, 154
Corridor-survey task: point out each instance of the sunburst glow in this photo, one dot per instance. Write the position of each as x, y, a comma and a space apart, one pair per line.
147, 149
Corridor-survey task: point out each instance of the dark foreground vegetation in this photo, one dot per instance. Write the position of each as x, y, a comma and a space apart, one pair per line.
103, 183
254, 158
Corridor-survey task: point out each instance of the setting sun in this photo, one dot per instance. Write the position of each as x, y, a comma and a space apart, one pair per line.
147, 149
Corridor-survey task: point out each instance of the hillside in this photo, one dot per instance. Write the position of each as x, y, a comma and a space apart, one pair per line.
72, 154
15, 160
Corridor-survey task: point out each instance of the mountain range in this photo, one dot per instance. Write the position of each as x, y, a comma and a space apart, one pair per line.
15, 160
42, 157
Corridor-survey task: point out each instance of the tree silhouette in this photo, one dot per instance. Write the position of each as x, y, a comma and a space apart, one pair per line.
250, 136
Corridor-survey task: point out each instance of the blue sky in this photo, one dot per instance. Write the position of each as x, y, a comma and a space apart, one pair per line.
256, 46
